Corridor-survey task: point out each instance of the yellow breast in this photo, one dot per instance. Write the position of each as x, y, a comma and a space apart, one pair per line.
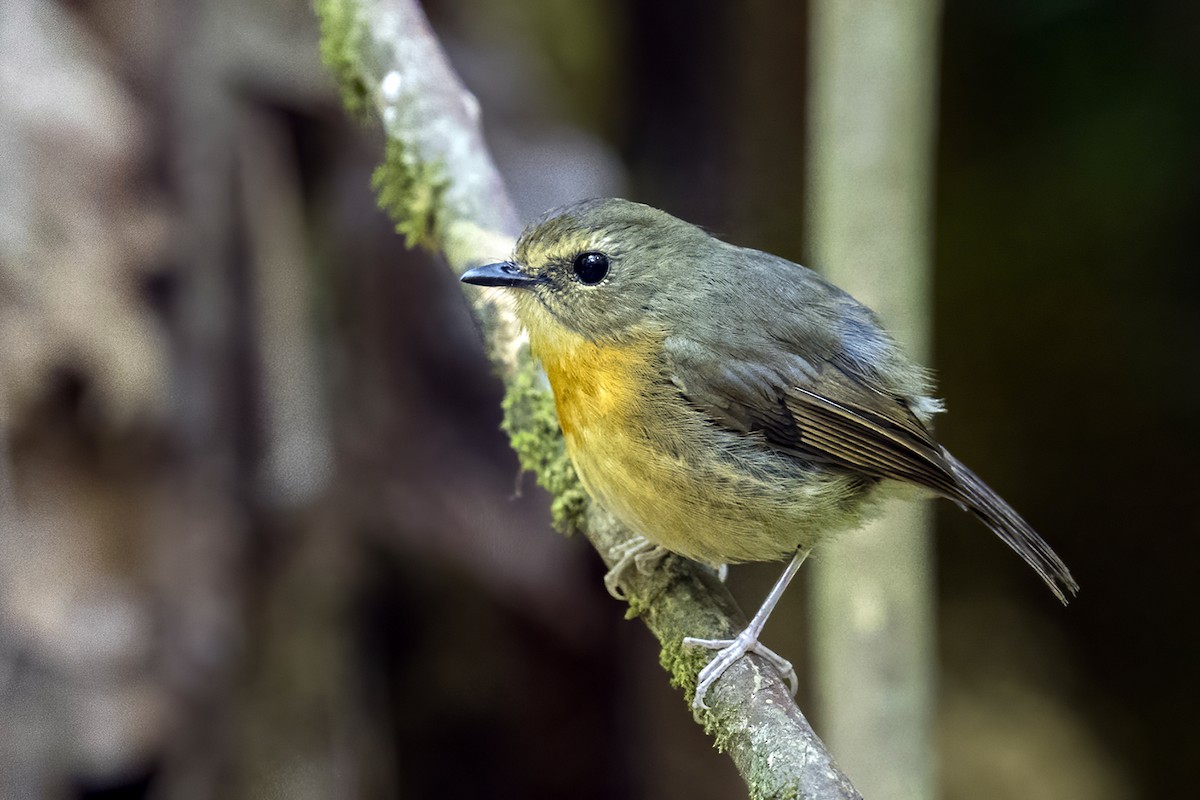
668, 473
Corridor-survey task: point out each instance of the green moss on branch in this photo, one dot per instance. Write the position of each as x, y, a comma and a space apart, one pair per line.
341, 40
411, 191
532, 424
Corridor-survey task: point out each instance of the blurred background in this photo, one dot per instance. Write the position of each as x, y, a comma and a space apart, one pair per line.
260, 535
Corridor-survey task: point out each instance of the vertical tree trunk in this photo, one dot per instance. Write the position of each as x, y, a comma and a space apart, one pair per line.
873, 74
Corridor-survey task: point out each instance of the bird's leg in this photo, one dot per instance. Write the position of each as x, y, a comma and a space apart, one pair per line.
637, 551
730, 650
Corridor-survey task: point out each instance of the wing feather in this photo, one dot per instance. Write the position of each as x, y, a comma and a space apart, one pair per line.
811, 392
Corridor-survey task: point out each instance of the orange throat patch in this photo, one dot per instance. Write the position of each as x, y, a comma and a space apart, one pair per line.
595, 385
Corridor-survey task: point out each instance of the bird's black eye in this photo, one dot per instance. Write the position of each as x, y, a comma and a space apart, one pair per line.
591, 268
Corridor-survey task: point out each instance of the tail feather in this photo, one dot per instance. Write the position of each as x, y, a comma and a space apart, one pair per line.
1014, 531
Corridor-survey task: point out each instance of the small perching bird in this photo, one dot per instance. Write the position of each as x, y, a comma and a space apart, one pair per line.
727, 404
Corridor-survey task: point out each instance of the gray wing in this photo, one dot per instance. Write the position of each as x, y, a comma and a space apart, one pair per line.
829, 386
817, 409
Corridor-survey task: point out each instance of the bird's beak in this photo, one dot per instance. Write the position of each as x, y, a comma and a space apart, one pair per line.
505, 273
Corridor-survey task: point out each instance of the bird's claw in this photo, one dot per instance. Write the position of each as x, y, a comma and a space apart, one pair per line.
639, 552
729, 651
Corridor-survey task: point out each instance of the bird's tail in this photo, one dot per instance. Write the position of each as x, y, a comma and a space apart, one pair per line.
1014, 531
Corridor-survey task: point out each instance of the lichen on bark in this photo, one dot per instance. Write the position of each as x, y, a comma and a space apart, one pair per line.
410, 191
341, 40
531, 423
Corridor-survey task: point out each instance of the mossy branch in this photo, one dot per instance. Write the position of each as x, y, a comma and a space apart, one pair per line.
440, 185
531, 422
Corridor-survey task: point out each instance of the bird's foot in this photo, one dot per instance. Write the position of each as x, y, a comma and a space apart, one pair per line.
729, 651
639, 552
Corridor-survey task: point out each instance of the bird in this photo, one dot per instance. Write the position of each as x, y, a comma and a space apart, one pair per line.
728, 405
